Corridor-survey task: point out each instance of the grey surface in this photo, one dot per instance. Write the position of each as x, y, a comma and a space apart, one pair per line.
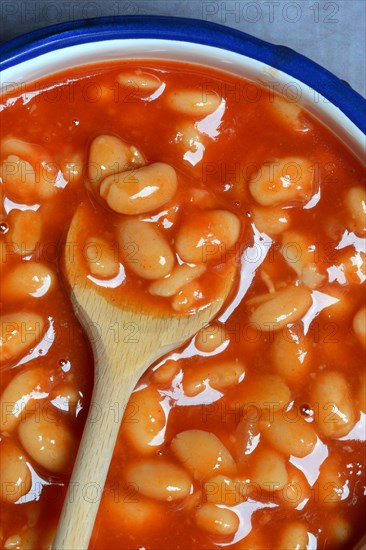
331, 33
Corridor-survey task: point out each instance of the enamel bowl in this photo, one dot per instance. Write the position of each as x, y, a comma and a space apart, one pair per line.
53, 49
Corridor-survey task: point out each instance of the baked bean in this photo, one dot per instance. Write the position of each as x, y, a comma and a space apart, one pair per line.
284, 182
102, 258
269, 469
352, 267
14, 541
139, 82
192, 140
291, 355
50, 443
16, 479
356, 207
330, 396
194, 103
264, 392
165, 374
331, 484
203, 454
211, 337
217, 521
110, 155
66, 397
186, 299
301, 254
132, 511
288, 112
208, 237
204, 198
28, 173
25, 229
361, 393
19, 332
27, 539
224, 490
145, 249
290, 434
20, 394
359, 325
159, 479
297, 489
28, 279
140, 190
143, 420
294, 536
176, 280
282, 308
338, 530
271, 221
219, 376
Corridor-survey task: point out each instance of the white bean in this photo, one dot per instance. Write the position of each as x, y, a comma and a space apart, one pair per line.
102, 258
211, 337
188, 297
27, 172
203, 454
359, 325
143, 420
356, 206
302, 256
159, 479
49, 442
294, 536
165, 374
20, 332
25, 229
208, 237
291, 355
330, 487
282, 308
331, 398
110, 155
265, 392
139, 81
132, 512
145, 250
19, 396
289, 113
269, 469
28, 279
195, 103
271, 221
16, 479
289, 433
296, 490
284, 182
140, 190
176, 280
220, 375
224, 490
217, 521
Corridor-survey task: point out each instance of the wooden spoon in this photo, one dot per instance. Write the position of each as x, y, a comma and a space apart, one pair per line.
118, 363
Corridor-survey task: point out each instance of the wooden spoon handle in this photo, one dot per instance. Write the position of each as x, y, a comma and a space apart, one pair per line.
92, 463
361, 545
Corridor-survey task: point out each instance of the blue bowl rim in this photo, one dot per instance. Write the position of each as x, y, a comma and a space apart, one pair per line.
54, 37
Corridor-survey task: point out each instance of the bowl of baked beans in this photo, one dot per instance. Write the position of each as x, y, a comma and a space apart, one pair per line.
191, 150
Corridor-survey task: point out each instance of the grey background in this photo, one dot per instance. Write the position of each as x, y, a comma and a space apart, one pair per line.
332, 33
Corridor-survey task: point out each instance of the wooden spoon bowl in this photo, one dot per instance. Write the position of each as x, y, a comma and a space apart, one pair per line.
119, 362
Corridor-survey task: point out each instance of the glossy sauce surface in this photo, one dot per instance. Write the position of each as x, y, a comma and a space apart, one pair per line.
251, 435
